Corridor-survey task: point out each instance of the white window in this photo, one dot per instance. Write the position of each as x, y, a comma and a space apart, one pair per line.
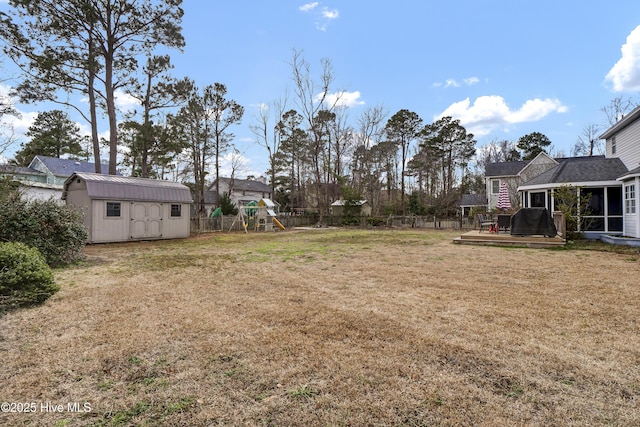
630, 199
176, 210
495, 186
613, 145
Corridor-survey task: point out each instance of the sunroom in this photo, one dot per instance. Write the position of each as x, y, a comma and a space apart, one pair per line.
595, 177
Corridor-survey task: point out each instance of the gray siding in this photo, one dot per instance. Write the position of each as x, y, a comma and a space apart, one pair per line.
627, 146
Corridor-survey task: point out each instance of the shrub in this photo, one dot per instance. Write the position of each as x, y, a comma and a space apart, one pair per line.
56, 230
373, 221
25, 277
227, 206
573, 203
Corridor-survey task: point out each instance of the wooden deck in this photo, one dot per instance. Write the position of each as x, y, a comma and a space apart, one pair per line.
475, 237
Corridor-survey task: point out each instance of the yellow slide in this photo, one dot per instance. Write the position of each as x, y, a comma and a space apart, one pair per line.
278, 223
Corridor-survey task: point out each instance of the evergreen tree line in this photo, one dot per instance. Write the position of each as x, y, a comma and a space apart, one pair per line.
180, 130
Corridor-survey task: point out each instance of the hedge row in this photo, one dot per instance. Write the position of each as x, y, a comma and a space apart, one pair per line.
34, 236
56, 230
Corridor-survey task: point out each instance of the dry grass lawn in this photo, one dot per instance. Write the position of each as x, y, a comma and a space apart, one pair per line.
330, 328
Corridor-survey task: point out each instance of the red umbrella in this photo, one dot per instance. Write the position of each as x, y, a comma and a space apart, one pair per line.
504, 202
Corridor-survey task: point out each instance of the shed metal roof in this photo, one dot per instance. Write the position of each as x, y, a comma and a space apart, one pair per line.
129, 188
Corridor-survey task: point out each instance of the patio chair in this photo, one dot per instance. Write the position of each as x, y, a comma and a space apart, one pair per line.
486, 221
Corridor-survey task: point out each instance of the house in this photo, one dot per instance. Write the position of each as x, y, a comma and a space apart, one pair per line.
58, 170
470, 201
241, 191
32, 182
596, 176
513, 174
45, 176
119, 209
623, 142
612, 181
338, 207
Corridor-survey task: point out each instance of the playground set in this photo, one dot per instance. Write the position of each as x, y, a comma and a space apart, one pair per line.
259, 216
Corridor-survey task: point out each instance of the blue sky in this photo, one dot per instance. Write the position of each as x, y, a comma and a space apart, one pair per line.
504, 68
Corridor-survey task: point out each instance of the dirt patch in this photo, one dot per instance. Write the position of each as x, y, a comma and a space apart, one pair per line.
330, 327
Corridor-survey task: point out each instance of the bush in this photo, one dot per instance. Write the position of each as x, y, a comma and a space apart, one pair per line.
227, 206
25, 277
56, 230
376, 221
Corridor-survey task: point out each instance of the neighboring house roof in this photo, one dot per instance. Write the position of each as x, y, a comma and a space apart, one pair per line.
65, 167
473, 200
245, 185
210, 197
18, 170
580, 169
113, 187
505, 168
622, 123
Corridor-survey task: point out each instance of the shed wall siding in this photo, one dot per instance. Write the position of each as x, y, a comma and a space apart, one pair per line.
77, 196
176, 227
109, 229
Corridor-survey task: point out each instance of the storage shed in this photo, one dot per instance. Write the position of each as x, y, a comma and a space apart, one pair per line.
118, 209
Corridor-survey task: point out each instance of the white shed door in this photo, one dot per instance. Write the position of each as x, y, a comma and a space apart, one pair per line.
146, 220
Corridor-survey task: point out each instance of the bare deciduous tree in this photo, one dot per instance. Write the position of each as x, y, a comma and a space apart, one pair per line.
312, 99
588, 143
617, 109
267, 135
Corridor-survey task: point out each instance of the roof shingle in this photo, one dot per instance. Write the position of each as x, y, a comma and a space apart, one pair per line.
581, 169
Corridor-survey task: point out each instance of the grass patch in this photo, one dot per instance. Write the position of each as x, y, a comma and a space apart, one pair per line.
394, 327
302, 392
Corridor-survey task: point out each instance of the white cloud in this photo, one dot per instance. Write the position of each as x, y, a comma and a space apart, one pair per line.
342, 99
17, 125
330, 14
488, 112
324, 16
309, 6
451, 83
625, 74
469, 81
237, 163
126, 102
